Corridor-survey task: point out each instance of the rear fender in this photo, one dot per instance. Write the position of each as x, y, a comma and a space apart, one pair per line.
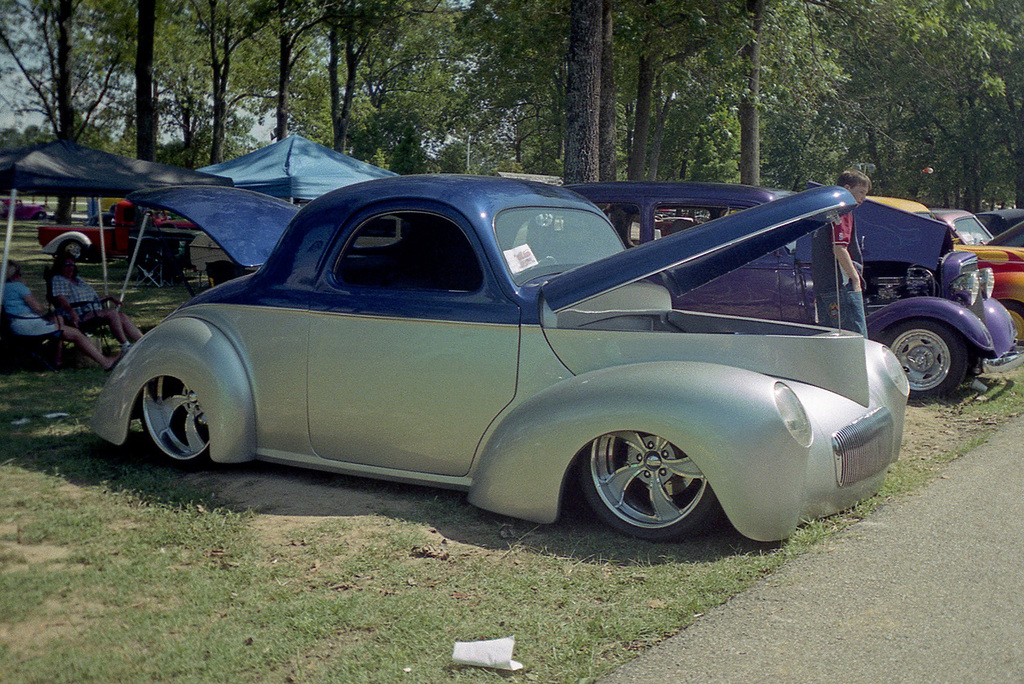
54, 245
955, 315
201, 356
724, 419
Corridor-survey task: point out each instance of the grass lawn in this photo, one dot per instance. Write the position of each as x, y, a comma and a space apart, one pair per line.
114, 567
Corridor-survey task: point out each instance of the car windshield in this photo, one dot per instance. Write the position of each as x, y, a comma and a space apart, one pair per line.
1013, 237
537, 241
971, 231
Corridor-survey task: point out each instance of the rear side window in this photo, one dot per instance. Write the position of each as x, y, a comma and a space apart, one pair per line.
676, 218
410, 251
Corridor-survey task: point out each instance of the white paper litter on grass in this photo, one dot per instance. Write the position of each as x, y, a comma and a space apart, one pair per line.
55, 415
20, 421
496, 653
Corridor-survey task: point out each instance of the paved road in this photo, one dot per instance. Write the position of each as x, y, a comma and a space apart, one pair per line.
928, 589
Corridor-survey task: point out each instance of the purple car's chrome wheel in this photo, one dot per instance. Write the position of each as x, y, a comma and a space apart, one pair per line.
933, 356
643, 485
175, 420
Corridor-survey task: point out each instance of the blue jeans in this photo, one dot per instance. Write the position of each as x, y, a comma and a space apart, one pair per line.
844, 311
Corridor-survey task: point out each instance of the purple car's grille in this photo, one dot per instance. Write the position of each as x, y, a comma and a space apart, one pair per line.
863, 447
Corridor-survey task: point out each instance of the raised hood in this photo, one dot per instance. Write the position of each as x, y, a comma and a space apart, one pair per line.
699, 255
245, 224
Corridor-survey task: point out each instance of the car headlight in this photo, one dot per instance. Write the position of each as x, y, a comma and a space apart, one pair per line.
988, 281
967, 287
793, 415
896, 372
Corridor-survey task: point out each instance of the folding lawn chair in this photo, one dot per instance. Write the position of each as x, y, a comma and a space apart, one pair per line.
94, 327
23, 351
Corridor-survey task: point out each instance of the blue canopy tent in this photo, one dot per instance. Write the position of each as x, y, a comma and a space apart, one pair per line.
295, 169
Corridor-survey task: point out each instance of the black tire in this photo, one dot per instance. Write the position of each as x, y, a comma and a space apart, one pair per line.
933, 355
643, 486
175, 422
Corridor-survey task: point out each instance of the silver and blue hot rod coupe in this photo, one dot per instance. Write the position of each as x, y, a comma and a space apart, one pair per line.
495, 336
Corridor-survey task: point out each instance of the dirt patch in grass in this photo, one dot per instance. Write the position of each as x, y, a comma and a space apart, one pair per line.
289, 502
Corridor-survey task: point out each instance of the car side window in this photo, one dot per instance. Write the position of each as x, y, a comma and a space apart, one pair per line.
410, 251
626, 219
675, 218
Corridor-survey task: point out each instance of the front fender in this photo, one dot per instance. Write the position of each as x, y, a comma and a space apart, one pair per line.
955, 315
200, 355
723, 418
1000, 325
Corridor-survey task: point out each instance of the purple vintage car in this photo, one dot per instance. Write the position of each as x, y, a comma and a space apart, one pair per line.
930, 304
22, 211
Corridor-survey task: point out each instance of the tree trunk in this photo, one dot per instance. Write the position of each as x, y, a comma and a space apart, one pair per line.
334, 60
220, 57
65, 107
1015, 144
750, 125
608, 137
145, 100
352, 56
659, 135
642, 119
583, 92
284, 77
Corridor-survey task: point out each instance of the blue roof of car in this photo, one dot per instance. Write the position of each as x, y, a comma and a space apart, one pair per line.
733, 193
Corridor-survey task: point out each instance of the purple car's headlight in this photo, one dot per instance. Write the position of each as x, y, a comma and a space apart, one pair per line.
966, 288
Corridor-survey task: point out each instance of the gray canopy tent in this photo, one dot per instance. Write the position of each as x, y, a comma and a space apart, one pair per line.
66, 168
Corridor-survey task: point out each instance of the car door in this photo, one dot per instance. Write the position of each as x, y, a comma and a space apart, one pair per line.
413, 349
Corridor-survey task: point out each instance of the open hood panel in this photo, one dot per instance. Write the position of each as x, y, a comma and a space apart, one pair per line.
245, 224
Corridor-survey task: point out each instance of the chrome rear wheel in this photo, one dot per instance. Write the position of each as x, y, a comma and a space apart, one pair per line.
175, 420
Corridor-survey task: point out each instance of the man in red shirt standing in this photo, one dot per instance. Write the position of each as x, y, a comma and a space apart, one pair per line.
837, 265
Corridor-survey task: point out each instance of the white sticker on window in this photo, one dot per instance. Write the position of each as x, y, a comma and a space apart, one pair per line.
520, 258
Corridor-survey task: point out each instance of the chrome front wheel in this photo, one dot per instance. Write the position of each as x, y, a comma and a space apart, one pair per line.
175, 420
933, 356
644, 486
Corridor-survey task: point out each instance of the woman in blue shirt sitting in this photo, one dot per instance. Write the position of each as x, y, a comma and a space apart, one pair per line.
28, 317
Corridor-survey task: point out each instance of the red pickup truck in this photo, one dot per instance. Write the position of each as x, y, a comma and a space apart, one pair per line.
82, 241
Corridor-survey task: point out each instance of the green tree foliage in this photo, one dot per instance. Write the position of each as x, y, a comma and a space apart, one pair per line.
70, 57
514, 54
480, 85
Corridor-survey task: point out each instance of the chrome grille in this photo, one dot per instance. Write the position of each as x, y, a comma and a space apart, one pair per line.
863, 447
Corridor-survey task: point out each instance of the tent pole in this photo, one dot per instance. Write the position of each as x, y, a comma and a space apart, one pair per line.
103, 256
135, 253
7, 242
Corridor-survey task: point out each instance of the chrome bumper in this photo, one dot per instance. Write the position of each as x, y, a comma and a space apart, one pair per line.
1009, 361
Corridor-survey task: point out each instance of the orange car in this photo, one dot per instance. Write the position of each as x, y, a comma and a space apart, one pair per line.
970, 235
